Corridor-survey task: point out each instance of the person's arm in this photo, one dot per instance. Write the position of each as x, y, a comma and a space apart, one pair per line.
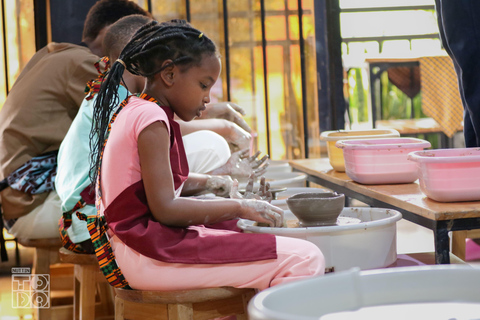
200, 182
226, 110
153, 150
241, 165
234, 134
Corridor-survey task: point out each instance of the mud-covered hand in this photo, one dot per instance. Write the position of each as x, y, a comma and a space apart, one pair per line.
219, 185
237, 137
263, 192
262, 212
226, 110
241, 165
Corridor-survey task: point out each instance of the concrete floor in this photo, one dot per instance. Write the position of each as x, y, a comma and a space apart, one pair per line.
413, 238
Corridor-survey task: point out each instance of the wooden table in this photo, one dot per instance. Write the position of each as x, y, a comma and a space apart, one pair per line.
405, 198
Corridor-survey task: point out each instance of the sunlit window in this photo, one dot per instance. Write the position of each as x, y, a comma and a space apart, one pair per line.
386, 29
17, 41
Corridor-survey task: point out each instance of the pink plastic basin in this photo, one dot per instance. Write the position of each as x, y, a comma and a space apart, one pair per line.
449, 175
381, 161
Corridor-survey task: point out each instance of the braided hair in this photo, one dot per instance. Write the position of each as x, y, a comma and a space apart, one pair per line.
143, 55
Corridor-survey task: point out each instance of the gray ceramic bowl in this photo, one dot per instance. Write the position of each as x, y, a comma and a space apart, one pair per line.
316, 209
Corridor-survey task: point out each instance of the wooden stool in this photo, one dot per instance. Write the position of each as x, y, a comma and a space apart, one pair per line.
181, 305
88, 281
46, 255
458, 241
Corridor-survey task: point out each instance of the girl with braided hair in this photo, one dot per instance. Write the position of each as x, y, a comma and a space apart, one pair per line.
162, 241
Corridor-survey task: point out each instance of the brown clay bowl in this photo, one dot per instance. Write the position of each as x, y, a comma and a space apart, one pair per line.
316, 209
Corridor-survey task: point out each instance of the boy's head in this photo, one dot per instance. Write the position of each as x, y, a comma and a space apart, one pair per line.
103, 14
119, 33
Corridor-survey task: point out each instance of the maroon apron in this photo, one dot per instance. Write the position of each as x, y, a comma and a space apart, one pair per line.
131, 220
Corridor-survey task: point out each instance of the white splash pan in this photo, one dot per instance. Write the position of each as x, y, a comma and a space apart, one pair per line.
279, 166
422, 292
372, 243
279, 180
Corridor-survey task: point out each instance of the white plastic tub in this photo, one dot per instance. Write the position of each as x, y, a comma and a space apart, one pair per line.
381, 161
449, 175
372, 243
423, 292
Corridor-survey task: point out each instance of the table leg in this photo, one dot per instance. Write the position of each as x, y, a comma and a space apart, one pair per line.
442, 245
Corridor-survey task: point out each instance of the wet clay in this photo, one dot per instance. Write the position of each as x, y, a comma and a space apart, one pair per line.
316, 209
294, 223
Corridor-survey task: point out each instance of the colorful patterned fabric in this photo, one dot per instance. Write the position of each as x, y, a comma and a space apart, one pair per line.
93, 86
97, 228
103, 250
66, 243
36, 176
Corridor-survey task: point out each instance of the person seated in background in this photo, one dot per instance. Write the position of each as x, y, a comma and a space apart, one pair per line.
36, 116
208, 153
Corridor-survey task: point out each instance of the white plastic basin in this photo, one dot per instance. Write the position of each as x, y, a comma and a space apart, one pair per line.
286, 179
381, 161
279, 166
449, 175
423, 291
335, 155
372, 243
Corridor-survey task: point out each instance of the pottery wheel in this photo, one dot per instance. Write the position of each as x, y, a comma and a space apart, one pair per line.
340, 222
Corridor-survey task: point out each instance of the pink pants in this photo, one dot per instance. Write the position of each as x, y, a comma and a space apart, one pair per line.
297, 259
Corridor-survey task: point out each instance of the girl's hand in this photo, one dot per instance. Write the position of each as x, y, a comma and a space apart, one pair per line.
262, 211
240, 165
219, 185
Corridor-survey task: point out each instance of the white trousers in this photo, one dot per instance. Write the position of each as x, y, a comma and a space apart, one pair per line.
206, 151
41, 222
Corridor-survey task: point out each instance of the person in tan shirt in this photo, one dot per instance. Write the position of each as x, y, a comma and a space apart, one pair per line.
38, 112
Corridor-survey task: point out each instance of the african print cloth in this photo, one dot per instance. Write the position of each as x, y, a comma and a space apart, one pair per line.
93, 86
35, 176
